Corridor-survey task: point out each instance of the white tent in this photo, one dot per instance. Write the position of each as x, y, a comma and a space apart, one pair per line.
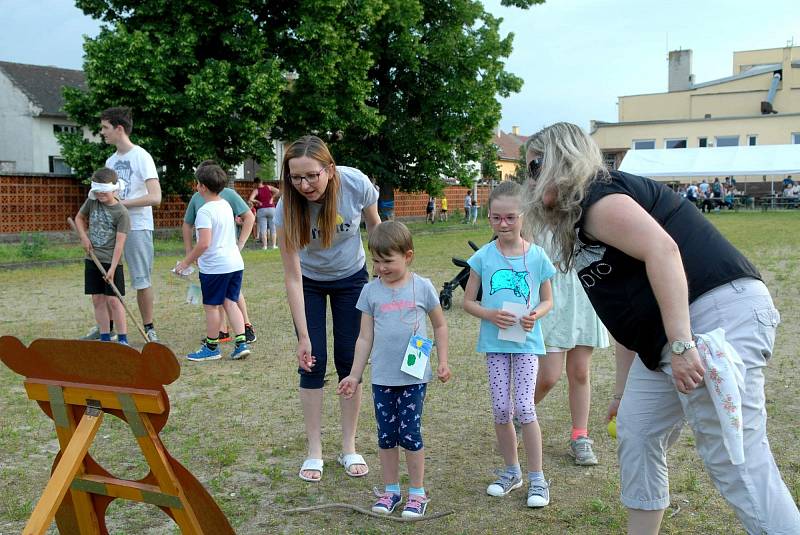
714, 161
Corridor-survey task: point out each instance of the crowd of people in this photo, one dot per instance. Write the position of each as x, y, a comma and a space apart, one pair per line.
670, 289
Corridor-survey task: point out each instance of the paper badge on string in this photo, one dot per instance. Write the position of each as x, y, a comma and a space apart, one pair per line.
418, 353
515, 333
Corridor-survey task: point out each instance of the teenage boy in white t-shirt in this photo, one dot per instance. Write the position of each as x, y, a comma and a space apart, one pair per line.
142, 191
220, 262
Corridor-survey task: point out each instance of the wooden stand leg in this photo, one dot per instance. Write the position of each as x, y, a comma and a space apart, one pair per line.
69, 464
154, 453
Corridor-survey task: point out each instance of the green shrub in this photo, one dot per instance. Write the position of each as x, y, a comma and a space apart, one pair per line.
32, 245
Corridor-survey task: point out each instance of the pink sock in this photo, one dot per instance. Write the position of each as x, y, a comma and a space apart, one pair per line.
579, 433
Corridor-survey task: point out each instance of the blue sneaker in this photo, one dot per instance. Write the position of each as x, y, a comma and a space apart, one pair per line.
387, 502
415, 506
240, 352
204, 353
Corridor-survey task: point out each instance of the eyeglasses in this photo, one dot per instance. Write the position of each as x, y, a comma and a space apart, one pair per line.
310, 178
510, 219
534, 168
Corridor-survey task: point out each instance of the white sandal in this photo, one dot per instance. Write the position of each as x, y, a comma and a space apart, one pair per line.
349, 459
315, 465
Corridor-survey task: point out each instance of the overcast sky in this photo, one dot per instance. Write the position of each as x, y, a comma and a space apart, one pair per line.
576, 56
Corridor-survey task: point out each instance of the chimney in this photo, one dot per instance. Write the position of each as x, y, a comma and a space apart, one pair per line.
680, 70
515, 130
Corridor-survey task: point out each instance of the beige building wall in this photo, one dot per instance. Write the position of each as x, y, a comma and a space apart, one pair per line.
717, 108
507, 169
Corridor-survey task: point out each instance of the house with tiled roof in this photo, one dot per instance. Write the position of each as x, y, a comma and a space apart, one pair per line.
31, 112
508, 145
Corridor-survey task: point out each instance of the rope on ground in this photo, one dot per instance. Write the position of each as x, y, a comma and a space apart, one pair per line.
367, 512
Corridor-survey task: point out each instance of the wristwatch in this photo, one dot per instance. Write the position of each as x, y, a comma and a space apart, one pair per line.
679, 347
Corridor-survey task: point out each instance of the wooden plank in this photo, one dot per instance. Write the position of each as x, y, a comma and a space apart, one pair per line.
70, 463
127, 490
147, 401
81, 501
157, 458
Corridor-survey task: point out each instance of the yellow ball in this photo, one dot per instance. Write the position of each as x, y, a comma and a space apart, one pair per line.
612, 427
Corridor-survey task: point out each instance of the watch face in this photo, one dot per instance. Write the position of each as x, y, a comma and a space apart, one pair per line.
678, 347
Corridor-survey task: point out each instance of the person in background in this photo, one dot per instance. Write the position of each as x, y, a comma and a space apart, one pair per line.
264, 198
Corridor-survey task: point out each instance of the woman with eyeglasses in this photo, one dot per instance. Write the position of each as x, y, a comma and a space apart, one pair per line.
662, 279
318, 218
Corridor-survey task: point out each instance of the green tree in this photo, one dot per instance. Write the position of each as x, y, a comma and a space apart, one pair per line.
437, 72
521, 170
489, 157
404, 89
196, 74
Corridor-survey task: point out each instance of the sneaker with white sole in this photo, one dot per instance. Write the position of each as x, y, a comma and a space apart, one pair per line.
249, 334
580, 449
505, 483
204, 353
538, 493
387, 502
151, 335
415, 506
241, 351
94, 334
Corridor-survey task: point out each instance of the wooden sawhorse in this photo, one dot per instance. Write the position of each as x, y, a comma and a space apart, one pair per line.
75, 384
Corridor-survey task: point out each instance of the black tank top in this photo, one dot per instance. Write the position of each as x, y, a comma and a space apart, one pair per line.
617, 284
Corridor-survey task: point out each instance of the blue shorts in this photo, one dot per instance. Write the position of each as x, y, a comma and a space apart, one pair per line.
398, 411
220, 286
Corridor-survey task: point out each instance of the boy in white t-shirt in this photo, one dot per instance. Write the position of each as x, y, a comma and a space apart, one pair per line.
220, 262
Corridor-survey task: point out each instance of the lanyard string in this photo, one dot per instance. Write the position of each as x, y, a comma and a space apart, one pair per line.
524, 264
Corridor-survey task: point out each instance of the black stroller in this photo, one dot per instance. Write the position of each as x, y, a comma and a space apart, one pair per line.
446, 295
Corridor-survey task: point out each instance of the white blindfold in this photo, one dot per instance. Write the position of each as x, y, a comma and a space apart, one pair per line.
103, 187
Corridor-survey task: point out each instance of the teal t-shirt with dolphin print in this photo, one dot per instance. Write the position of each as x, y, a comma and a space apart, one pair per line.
513, 279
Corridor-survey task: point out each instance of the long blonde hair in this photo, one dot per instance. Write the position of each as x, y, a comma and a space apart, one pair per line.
571, 161
296, 212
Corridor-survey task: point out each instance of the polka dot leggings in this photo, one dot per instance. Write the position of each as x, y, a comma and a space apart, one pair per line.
524, 367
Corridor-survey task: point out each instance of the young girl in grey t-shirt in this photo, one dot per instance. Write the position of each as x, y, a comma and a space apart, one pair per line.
393, 331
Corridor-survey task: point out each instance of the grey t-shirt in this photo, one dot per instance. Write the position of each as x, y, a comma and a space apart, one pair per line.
104, 223
346, 255
394, 312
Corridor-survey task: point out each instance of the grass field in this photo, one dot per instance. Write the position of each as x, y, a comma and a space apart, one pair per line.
238, 426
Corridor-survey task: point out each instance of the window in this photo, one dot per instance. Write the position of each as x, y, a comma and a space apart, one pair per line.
642, 144
751, 140
8, 166
675, 143
727, 141
702, 142
610, 160
59, 166
796, 138
67, 128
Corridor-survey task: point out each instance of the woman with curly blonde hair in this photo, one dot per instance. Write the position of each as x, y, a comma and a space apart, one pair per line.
661, 278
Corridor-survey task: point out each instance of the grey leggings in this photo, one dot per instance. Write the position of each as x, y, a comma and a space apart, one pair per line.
266, 220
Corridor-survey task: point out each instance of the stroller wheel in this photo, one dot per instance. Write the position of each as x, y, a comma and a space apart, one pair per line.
445, 300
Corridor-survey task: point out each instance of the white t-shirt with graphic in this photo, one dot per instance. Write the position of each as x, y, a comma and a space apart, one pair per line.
135, 167
346, 254
222, 255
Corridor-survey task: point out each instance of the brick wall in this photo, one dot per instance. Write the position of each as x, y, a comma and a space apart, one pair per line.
413, 204
42, 203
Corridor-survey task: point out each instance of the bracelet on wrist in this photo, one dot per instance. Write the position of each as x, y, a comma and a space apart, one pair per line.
617, 397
